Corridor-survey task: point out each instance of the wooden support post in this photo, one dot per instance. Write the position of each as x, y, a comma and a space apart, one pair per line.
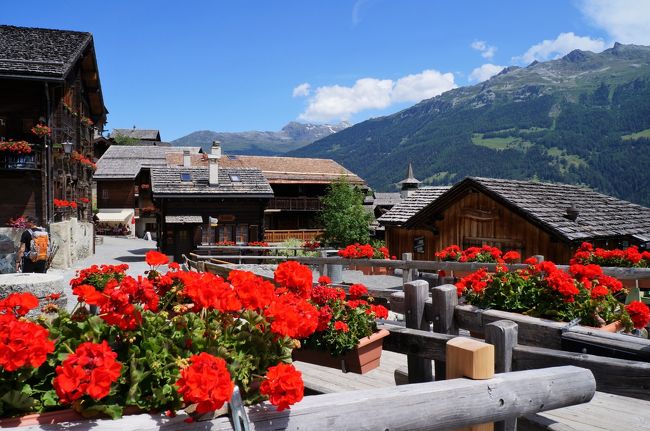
322, 266
444, 300
473, 359
407, 273
503, 335
415, 294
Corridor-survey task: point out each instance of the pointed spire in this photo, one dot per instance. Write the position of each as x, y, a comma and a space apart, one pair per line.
408, 185
409, 174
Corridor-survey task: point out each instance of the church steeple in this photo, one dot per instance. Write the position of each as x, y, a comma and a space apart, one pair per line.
408, 184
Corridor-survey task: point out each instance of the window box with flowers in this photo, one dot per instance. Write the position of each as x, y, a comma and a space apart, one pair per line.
163, 341
366, 251
584, 294
346, 336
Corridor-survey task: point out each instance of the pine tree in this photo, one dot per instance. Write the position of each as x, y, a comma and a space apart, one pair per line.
343, 216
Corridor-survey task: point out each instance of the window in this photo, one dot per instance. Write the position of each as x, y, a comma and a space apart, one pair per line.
231, 157
225, 232
234, 178
104, 194
242, 233
186, 177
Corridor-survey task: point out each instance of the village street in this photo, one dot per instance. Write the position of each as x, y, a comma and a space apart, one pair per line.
113, 251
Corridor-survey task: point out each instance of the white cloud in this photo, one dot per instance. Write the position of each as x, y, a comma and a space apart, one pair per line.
487, 51
340, 102
626, 21
302, 90
561, 45
484, 72
356, 11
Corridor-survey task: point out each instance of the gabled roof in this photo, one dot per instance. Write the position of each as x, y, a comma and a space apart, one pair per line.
407, 208
166, 182
293, 170
39, 52
142, 134
125, 161
386, 199
545, 204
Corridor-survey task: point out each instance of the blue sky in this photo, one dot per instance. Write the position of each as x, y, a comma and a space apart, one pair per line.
256, 65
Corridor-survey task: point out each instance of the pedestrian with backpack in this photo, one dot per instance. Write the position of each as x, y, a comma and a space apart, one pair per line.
34, 250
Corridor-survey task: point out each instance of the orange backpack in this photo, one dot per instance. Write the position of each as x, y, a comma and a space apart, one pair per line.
39, 246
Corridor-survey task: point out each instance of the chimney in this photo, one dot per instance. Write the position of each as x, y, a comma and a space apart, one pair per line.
187, 161
213, 163
572, 213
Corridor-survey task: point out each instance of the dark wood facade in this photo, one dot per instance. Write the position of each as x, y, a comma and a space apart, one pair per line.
116, 194
474, 220
68, 99
240, 220
295, 206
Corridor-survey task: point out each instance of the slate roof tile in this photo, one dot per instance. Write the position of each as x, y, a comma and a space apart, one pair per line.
410, 206
166, 181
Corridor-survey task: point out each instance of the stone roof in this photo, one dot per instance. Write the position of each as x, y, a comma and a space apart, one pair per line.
387, 199
39, 52
183, 219
545, 204
407, 208
125, 161
293, 170
166, 181
143, 134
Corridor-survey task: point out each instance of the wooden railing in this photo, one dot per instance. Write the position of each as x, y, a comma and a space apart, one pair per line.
22, 161
296, 204
283, 235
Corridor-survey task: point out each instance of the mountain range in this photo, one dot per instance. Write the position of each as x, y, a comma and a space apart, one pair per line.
292, 136
580, 119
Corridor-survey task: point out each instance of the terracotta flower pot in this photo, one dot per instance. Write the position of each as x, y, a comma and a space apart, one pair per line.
615, 326
55, 417
363, 358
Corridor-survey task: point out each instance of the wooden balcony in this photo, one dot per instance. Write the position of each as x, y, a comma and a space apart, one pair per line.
283, 235
295, 204
20, 161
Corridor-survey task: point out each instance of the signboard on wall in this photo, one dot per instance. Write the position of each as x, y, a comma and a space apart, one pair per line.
226, 218
214, 221
418, 244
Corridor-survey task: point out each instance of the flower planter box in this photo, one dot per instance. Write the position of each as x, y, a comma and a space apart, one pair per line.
364, 358
56, 417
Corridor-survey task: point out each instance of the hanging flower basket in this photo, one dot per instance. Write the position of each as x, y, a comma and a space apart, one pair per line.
364, 358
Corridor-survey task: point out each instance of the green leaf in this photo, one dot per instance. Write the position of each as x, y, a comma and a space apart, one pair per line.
17, 400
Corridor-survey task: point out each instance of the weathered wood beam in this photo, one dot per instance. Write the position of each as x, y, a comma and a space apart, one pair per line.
424, 344
432, 406
615, 376
415, 293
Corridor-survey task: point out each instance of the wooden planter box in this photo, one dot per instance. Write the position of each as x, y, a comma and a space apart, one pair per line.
364, 358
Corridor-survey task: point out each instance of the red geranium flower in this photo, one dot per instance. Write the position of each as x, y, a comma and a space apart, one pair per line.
156, 258
292, 316
22, 343
639, 313
19, 303
357, 291
341, 326
324, 280
295, 277
90, 370
253, 291
206, 382
283, 385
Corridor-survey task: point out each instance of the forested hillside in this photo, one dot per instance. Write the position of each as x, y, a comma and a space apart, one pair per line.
581, 119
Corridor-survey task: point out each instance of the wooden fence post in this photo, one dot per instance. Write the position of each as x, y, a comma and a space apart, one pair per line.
322, 266
407, 273
415, 294
444, 300
473, 359
503, 335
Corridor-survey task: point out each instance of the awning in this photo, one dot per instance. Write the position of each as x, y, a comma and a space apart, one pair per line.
184, 219
114, 216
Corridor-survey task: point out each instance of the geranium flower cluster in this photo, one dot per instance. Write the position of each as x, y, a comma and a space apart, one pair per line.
542, 289
364, 251
174, 338
87, 122
342, 319
258, 244
19, 223
41, 130
312, 245
62, 203
486, 253
630, 257
83, 160
22, 343
15, 147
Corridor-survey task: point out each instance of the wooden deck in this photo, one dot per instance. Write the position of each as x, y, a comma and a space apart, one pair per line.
606, 412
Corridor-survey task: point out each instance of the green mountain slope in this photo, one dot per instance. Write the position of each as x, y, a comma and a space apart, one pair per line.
581, 119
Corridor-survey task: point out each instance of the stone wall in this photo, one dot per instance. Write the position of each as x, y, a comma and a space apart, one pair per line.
75, 240
9, 243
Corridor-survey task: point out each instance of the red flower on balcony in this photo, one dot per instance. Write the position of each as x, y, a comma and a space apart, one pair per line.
41, 130
15, 147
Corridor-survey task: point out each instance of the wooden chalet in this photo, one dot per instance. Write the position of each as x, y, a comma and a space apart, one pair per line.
298, 185
124, 193
208, 204
531, 217
48, 77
